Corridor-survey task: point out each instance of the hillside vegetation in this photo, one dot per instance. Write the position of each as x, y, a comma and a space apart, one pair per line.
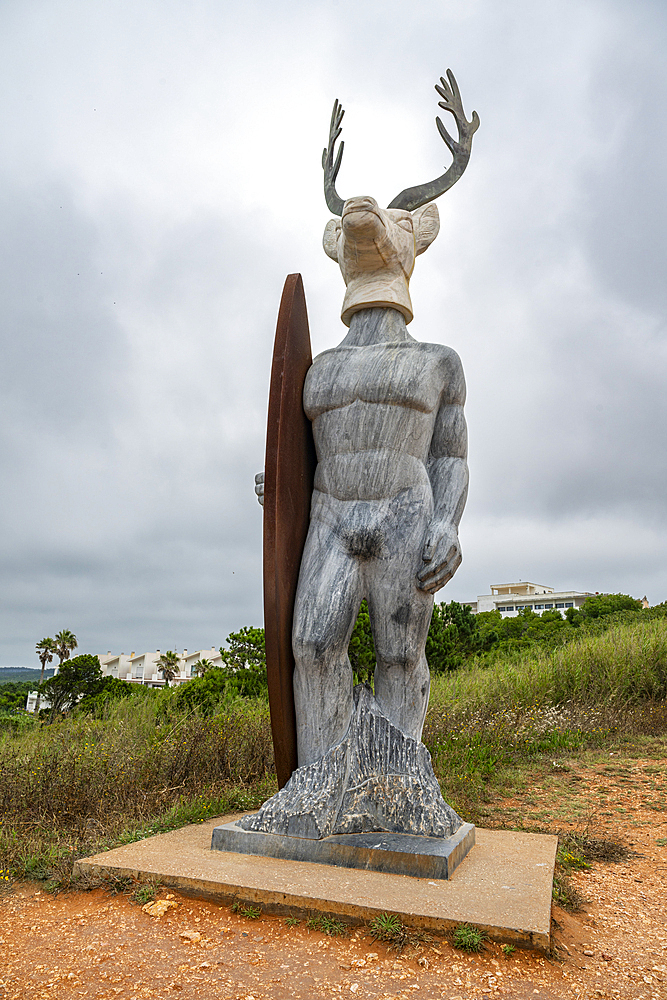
126, 761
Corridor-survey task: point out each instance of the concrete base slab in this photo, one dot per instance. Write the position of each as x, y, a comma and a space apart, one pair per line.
503, 886
396, 853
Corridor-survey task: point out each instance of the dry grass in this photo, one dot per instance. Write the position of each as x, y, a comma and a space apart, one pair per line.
624, 666
86, 782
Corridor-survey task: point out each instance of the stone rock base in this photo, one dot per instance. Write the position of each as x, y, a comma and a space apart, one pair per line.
376, 780
395, 853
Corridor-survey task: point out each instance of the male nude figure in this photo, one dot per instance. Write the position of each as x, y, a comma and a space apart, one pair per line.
390, 488
391, 480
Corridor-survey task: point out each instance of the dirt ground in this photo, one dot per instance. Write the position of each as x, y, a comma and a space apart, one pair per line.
95, 944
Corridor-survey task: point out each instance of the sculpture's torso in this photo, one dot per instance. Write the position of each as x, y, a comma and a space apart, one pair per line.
373, 410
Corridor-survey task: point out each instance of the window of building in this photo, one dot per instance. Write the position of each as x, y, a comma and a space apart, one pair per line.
539, 607
560, 605
548, 607
569, 604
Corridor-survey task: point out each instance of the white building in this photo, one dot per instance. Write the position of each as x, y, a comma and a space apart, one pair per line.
116, 665
31, 702
510, 598
142, 668
189, 659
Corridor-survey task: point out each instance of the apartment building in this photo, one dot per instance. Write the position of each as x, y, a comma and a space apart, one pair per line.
143, 668
510, 598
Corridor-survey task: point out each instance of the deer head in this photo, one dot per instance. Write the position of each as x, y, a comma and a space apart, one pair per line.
375, 247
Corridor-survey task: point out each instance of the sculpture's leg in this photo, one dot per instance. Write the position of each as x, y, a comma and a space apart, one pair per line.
400, 617
327, 601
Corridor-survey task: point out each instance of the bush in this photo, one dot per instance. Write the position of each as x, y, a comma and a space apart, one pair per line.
76, 678
83, 773
220, 687
454, 636
17, 721
621, 666
13, 695
109, 689
361, 649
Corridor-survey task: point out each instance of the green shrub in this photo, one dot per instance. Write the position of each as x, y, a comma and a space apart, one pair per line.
17, 721
110, 689
14, 694
219, 687
104, 773
361, 648
468, 938
76, 678
624, 665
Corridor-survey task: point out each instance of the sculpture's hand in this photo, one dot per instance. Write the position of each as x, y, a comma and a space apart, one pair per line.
442, 555
259, 487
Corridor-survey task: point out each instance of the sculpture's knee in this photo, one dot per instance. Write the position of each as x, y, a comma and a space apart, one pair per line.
315, 641
308, 649
402, 688
407, 668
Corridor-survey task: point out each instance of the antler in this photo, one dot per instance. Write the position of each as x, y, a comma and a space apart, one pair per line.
330, 167
415, 197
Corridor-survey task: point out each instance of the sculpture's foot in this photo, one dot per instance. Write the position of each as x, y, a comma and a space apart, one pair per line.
376, 779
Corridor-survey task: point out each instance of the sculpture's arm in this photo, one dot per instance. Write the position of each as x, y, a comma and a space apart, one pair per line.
448, 472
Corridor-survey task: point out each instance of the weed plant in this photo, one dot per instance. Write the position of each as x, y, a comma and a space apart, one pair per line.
468, 938
144, 894
139, 768
327, 925
147, 763
249, 912
388, 927
564, 893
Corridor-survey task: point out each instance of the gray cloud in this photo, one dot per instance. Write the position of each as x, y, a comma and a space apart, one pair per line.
160, 176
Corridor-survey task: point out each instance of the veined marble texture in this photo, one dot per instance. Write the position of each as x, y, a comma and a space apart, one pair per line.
390, 487
376, 779
376, 249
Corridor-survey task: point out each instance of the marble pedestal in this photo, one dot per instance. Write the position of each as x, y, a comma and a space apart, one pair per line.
395, 853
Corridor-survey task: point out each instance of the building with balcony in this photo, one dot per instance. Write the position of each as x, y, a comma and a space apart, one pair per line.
143, 668
510, 598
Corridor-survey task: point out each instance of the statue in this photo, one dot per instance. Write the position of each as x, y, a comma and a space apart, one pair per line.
389, 491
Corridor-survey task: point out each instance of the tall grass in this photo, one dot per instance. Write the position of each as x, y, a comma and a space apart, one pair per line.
84, 780
624, 666
486, 719
145, 765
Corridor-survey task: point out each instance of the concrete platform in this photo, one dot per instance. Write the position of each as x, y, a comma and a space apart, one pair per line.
397, 853
503, 886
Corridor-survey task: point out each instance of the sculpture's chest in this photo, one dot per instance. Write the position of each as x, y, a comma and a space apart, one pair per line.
399, 376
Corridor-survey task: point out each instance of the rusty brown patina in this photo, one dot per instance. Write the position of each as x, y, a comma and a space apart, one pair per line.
289, 471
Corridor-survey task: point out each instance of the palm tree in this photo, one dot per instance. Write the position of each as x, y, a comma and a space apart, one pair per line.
169, 665
65, 643
45, 649
201, 666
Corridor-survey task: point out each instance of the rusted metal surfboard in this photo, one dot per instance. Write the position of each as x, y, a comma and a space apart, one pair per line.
288, 485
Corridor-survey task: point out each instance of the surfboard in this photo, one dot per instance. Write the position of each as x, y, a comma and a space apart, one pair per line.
289, 470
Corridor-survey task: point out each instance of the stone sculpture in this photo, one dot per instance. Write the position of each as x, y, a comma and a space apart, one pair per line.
390, 488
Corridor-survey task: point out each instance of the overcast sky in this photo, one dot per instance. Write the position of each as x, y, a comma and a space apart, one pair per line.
160, 176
